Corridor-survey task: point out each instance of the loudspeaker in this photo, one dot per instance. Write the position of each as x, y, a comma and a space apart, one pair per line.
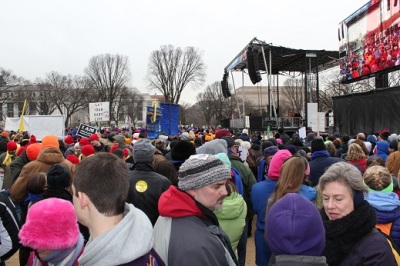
256, 123
225, 86
252, 65
225, 123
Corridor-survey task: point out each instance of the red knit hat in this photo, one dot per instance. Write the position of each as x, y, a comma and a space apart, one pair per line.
87, 150
73, 159
114, 147
94, 137
69, 140
83, 142
11, 145
32, 140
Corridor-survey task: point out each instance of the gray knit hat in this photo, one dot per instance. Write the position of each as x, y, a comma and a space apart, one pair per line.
201, 170
143, 151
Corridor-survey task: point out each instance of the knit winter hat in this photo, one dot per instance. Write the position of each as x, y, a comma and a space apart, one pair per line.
222, 133
50, 141
120, 139
182, 150
69, 140
51, 224
201, 170
94, 137
87, 150
288, 230
213, 147
270, 151
184, 136
33, 150
275, 166
58, 176
73, 159
11, 145
230, 141
4, 134
143, 151
83, 142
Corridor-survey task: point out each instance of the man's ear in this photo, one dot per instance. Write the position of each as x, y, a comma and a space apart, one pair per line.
83, 199
192, 193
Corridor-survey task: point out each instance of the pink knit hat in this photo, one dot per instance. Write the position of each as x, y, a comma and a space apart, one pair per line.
276, 164
51, 224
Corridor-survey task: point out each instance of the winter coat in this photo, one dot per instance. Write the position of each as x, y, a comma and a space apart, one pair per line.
393, 163
232, 217
320, 161
46, 158
362, 163
158, 157
387, 208
187, 233
9, 228
17, 164
145, 189
298, 260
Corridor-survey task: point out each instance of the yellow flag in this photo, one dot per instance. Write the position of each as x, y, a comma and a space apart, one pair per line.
21, 120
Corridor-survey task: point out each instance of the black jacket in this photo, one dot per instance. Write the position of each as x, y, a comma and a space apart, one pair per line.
145, 188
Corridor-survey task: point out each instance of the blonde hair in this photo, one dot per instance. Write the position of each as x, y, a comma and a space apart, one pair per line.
377, 177
355, 152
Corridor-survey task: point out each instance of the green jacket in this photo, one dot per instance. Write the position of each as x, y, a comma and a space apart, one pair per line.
248, 180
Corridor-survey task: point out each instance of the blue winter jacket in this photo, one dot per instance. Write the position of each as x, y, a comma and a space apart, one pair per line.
320, 161
387, 208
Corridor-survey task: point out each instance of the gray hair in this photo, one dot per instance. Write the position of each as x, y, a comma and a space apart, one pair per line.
344, 173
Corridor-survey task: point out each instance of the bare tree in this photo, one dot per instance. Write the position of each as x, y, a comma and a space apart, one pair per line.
183, 110
110, 75
171, 69
294, 94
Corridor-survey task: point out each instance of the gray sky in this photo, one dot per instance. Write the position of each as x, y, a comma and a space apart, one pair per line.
61, 35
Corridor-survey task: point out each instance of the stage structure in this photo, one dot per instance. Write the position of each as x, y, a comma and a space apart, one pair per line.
264, 60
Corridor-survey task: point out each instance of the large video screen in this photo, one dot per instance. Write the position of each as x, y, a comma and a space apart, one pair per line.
369, 40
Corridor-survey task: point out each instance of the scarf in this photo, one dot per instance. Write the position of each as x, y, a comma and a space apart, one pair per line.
317, 154
33, 198
343, 234
64, 257
8, 159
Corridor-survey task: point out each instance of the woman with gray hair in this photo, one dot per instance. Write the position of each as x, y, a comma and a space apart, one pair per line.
349, 220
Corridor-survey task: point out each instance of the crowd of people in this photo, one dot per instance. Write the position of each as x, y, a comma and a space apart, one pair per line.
117, 198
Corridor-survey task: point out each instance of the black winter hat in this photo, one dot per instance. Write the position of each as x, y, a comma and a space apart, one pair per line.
58, 176
182, 150
317, 145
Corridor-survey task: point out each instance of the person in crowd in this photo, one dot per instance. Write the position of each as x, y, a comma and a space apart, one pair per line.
264, 163
159, 151
30, 154
120, 140
86, 151
259, 196
181, 151
393, 160
167, 169
119, 232
362, 145
309, 138
9, 156
9, 222
320, 160
68, 142
375, 160
145, 185
51, 230
331, 149
349, 220
385, 202
36, 186
372, 139
356, 156
49, 154
367, 144
345, 144
382, 149
232, 215
248, 181
97, 145
293, 179
289, 235
186, 213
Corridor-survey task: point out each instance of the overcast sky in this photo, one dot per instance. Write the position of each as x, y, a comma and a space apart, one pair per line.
41, 36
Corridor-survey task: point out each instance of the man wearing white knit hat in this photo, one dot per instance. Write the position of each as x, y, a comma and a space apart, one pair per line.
187, 231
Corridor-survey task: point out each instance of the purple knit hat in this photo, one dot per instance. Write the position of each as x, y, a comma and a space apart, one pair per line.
271, 150
288, 230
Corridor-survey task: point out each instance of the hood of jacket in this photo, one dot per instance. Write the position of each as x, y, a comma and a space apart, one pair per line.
383, 201
232, 208
50, 155
175, 203
130, 239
